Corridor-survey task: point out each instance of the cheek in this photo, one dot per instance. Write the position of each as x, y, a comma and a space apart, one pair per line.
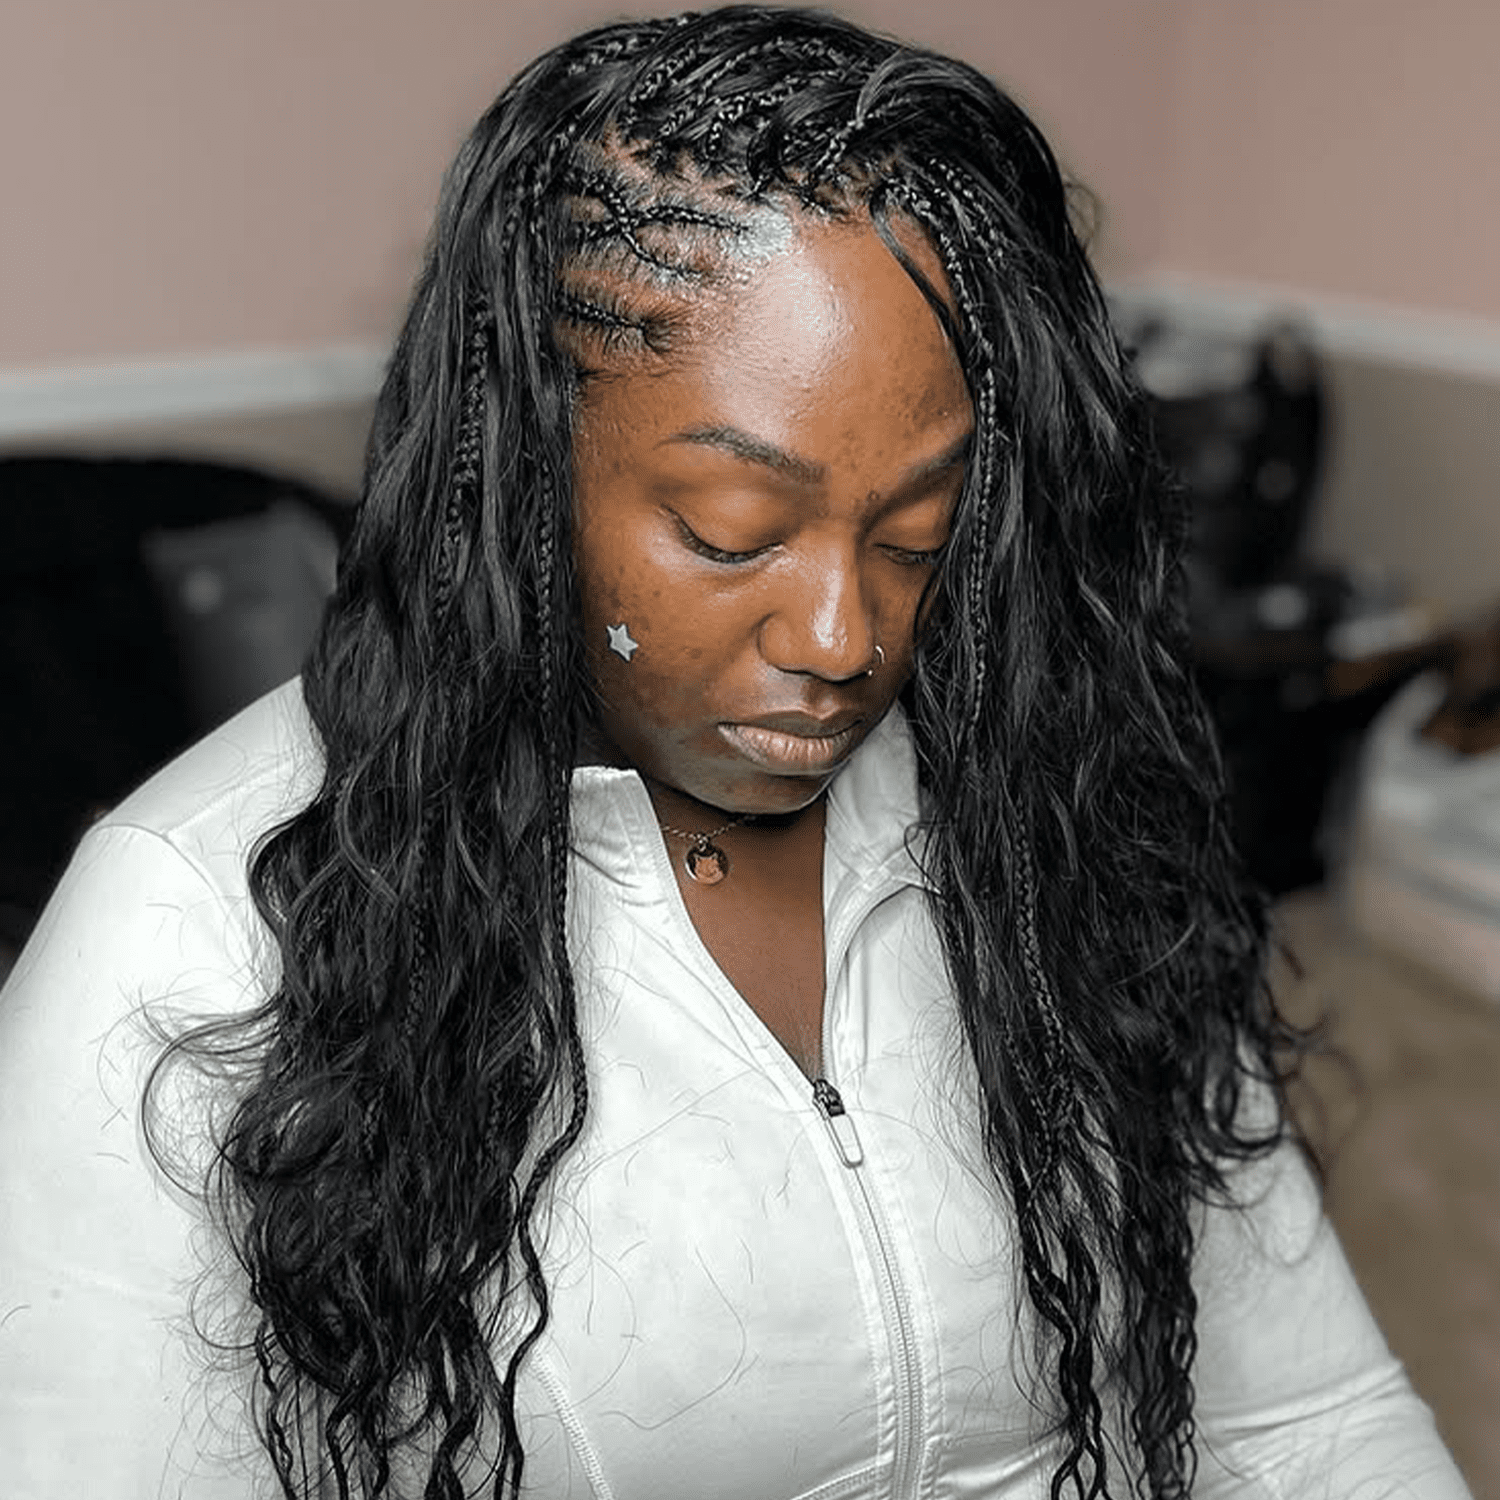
626, 576
608, 582
664, 681
674, 663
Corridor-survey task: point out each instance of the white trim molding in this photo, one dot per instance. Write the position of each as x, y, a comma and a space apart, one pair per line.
1447, 343
72, 399
59, 401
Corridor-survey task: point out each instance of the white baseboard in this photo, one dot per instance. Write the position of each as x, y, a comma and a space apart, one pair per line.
1445, 343
57, 401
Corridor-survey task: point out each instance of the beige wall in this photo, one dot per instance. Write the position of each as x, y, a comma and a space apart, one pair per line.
184, 177
1349, 147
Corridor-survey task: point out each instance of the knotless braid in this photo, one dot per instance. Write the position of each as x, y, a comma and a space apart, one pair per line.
914, 193
550, 168
740, 107
613, 49
659, 79
866, 117
1055, 1112
703, 91
959, 187
463, 492
557, 769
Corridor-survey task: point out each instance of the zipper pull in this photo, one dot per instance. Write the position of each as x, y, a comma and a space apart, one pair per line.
845, 1136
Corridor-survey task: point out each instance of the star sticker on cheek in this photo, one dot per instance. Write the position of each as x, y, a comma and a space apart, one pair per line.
619, 640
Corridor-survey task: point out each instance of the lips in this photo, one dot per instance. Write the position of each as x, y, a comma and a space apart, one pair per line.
796, 744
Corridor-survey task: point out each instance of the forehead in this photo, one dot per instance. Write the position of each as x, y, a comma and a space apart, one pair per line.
833, 294
826, 349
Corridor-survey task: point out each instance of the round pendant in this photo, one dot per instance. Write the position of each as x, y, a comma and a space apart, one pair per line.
706, 863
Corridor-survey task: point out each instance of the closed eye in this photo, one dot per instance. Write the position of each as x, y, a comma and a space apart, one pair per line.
910, 558
696, 543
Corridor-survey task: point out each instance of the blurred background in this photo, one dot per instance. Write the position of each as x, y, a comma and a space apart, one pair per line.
213, 212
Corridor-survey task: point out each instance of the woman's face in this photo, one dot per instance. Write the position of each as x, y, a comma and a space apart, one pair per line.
761, 513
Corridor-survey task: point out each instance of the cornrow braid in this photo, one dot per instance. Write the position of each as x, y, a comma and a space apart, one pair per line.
626, 219
628, 216
608, 318
623, 220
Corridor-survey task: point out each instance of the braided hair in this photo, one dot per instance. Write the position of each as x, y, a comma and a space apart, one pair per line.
418, 1074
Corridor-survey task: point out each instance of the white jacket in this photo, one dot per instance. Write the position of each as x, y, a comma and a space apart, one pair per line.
752, 1301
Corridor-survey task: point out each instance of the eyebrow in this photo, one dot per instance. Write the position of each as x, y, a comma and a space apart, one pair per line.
756, 450
753, 450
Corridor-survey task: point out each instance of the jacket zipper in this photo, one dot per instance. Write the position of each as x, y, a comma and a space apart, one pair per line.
896, 1304
893, 1295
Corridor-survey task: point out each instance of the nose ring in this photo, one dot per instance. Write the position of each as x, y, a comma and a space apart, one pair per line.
879, 660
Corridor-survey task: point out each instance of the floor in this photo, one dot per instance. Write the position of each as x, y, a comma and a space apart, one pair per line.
1409, 1138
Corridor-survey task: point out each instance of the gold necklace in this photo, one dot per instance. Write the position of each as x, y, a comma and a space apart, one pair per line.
704, 861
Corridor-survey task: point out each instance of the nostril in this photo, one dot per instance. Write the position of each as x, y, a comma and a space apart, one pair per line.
836, 656
824, 625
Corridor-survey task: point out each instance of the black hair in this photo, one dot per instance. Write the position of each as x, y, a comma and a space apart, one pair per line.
418, 1072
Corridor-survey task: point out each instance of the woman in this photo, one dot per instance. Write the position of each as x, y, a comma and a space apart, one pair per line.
742, 988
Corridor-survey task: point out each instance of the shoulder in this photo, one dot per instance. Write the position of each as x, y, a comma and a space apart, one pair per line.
212, 803
150, 932
1293, 1376
155, 903
152, 928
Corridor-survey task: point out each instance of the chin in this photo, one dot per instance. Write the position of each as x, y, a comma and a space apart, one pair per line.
772, 796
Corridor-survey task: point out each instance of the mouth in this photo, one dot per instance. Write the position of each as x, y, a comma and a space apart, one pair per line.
796, 744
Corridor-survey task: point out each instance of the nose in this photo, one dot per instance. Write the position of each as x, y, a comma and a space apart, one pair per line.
823, 623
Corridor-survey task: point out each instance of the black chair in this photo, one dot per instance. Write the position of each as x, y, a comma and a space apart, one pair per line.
142, 600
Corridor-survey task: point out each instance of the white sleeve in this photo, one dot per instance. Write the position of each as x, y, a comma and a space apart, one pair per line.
1298, 1396
105, 1390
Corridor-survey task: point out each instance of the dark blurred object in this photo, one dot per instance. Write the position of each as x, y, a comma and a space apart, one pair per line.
110, 664
1243, 423
1289, 672
243, 598
1468, 718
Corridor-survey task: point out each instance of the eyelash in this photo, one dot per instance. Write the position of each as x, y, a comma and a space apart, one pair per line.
708, 550
905, 556
909, 559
